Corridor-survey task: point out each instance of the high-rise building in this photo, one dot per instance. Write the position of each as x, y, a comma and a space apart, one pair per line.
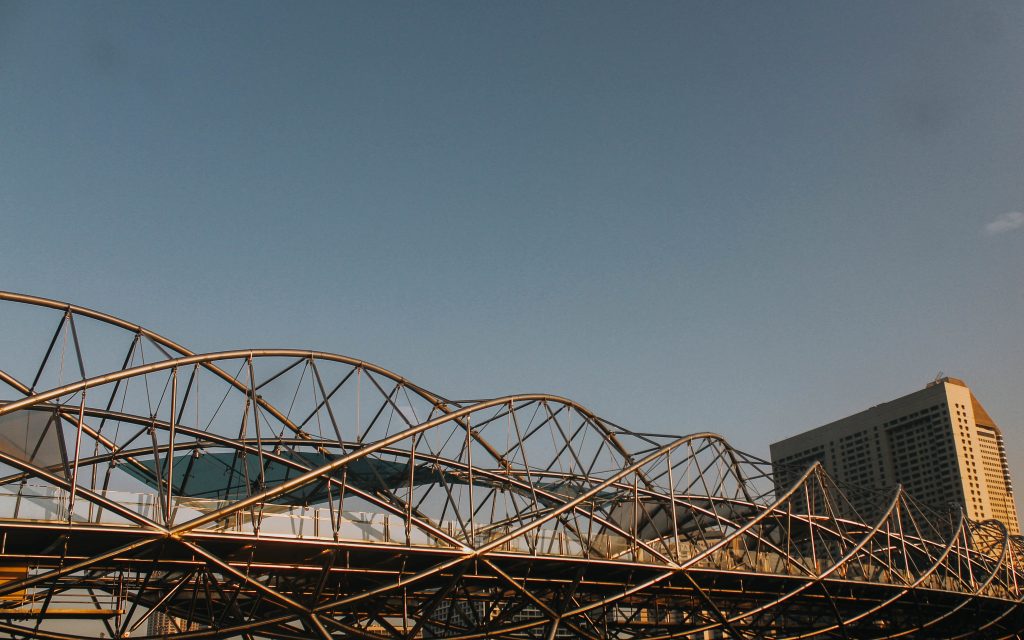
939, 443
163, 626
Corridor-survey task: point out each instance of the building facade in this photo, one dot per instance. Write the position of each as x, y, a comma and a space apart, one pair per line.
939, 443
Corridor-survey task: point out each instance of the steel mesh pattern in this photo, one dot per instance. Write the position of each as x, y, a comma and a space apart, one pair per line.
280, 493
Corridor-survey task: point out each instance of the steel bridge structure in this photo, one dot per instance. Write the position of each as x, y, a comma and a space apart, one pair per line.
294, 494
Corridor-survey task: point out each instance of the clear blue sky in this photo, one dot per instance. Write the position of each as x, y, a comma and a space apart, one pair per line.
750, 218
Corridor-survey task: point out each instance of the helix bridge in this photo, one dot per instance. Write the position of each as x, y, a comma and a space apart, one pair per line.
295, 494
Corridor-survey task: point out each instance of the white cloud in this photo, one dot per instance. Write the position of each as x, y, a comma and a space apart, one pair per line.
1006, 222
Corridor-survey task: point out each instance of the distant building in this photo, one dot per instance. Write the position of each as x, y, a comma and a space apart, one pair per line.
939, 443
162, 625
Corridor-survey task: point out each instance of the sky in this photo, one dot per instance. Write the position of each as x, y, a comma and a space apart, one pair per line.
748, 218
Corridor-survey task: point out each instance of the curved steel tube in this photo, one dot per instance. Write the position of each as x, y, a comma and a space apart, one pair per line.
619, 534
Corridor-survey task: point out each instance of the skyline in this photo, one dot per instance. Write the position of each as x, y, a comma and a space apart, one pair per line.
730, 218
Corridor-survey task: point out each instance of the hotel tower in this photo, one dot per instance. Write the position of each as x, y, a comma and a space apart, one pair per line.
939, 443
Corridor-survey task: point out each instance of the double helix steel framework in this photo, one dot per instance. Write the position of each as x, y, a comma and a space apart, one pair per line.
287, 494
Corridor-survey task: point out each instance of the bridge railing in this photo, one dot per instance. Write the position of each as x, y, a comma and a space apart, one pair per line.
51, 504
41, 503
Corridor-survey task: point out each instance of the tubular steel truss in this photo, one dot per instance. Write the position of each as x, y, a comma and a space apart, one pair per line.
276, 493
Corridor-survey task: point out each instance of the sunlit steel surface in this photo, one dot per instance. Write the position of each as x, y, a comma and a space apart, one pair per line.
281, 493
